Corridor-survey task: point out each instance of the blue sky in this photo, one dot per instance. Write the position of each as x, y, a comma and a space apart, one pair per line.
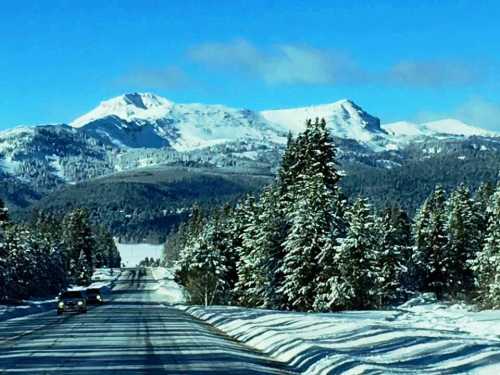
427, 60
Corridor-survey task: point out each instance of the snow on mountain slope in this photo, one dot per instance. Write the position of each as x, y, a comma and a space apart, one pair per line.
456, 127
344, 118
144, 120
128, 107
147, 120
404, 129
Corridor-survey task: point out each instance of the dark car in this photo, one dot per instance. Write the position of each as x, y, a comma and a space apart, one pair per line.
72, 300
95, 296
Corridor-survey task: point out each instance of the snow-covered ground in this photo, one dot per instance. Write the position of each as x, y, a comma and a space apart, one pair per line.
421, 336
133, 254
169, 290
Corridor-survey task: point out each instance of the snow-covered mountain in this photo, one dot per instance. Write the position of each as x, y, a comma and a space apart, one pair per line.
143, 129
150, 121
440, 128
147, 120
344, 118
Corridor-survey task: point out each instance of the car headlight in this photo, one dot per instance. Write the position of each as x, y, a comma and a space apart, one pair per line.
61, 304
80, 303
98, 297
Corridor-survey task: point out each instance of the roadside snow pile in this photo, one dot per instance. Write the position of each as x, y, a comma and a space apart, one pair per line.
170, 291
27, 308
428, 313
133, 253
422, 336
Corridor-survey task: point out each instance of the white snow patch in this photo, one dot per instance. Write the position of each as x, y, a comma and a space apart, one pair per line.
169, 290
133, 254
421, 336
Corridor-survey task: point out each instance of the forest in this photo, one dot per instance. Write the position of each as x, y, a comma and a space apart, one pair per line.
302, 245
44, 257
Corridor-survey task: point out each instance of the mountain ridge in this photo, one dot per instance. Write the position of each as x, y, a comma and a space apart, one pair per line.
143, 129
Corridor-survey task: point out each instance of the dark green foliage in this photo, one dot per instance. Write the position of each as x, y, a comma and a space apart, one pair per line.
44, 257
145, 205
393, 262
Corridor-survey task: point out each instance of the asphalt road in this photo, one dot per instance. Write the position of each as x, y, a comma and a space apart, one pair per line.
133, 333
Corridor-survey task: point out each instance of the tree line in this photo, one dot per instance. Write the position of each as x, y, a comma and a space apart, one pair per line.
45, 256
302, 245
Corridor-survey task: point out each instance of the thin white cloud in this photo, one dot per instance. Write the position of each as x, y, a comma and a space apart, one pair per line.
432, 73
299, 64
284, 64
480, 112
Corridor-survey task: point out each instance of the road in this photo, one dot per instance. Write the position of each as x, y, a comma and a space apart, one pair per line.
133, 333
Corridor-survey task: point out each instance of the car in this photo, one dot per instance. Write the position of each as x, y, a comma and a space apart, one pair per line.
95, 296
72, 300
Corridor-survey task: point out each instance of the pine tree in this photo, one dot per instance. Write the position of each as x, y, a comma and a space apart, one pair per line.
354, 285
392, 256
463, 242
310, 236
79, 244
482, 204
105, 252
21, 261
261, 252
430, 253
439, 260
486, 266
205, 270
4, 266
246, 291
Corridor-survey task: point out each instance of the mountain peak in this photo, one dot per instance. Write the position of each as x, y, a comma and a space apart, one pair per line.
144, 100
344, 117
128, 107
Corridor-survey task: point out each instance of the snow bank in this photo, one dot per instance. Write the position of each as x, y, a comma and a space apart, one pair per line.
168, 289
423, 336
133, 254
27, 308
102, 278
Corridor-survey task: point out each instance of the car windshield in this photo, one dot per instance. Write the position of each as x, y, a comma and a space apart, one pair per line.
72, 294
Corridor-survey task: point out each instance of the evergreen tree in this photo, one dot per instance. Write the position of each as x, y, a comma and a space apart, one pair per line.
4, 266
309, 239
486, 266
261, 252
205, 269
248, 264
20, 261
482, 204
353, 287
79, 244
392, 256
463, 242
430, 252
105, 253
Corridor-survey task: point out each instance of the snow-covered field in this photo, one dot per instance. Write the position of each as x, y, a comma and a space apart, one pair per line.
421, 336
132, 254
